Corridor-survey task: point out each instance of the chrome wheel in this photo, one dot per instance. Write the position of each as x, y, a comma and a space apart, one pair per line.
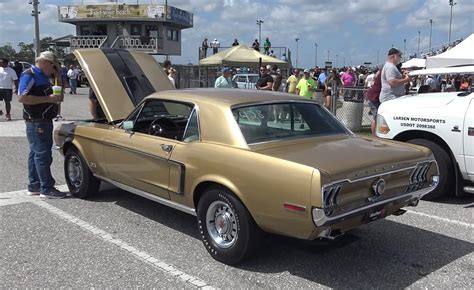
74, 171
221, 224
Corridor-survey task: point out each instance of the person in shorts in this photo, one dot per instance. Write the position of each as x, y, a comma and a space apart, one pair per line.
8, 78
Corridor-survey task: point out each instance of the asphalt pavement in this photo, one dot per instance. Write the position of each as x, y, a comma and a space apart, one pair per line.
118, 240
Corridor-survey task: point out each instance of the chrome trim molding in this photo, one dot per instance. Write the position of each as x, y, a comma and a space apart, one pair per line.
150, 196
320, 219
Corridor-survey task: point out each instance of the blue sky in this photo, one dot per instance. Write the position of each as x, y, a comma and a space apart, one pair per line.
354, 31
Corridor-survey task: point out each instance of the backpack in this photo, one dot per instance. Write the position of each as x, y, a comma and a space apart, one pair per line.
374, 92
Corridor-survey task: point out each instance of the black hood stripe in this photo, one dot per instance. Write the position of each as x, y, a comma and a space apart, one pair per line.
130, 74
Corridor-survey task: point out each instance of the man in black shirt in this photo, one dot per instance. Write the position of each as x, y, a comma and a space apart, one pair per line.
265, 82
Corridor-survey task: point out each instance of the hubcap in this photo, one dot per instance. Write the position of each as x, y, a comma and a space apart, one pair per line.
74, 171
221, 224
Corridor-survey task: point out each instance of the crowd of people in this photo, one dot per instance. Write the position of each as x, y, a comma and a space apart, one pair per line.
215, 45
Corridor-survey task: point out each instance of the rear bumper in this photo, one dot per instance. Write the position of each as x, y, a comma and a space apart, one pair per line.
411, 198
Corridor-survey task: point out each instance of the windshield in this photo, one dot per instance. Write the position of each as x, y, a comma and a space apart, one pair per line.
271, 122
253, 79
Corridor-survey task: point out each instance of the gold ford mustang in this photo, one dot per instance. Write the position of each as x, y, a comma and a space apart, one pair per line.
243, 161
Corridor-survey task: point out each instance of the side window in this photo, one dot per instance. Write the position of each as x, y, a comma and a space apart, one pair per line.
192, 130
163, 119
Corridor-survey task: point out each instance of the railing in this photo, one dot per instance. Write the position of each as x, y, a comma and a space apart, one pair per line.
88, 41
138, 43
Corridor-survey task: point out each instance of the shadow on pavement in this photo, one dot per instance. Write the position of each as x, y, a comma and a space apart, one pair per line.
382, 254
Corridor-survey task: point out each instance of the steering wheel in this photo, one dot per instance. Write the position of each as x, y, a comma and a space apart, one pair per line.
163, 127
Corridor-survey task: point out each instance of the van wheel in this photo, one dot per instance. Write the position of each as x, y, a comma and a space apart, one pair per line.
226, 228
445, 166
80, 180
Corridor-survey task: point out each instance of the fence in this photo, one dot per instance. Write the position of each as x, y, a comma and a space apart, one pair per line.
348, 104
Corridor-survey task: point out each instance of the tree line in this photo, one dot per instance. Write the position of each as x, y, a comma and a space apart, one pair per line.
26, 52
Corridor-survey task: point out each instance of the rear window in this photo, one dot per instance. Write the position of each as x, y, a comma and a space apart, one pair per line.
272, 122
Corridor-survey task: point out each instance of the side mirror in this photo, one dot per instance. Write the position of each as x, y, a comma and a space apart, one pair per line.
127, 125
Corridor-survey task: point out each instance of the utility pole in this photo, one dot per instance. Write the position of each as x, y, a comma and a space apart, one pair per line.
431, 31
315, 54
35, 13
328, 54
404, 47
337, 60
419, 37
451, 3
297, 51
259, 23
378, 56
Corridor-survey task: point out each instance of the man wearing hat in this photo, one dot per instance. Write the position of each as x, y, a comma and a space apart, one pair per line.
306, 85
40, 106
225, 80
8, 77
393, 83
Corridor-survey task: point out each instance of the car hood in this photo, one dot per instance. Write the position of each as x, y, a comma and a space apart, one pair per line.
430, 100
121, 78
349, 157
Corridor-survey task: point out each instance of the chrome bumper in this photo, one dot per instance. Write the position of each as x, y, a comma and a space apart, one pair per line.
411, 198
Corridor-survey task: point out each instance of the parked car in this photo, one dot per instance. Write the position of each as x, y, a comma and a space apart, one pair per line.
246, 81
443, 122
222, 155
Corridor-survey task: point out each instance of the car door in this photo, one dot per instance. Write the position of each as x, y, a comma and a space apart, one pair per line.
469, 139
140, 157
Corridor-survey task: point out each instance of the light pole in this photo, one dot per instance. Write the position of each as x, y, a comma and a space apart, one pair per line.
259, 23
419, 37
35, 13
378, 52
404, 47
337, 60
431, 31
328, 54
451, 3
297, 51
315, 54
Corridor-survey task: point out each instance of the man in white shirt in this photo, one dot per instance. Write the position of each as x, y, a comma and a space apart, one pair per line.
8, 77
215, 46
431, 81
72, 74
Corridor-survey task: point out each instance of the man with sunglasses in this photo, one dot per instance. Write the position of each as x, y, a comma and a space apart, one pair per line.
40, 106
265, 82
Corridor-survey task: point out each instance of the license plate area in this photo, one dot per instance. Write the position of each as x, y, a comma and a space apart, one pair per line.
375, 214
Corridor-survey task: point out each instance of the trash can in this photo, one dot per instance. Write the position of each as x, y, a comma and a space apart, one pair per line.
319, 97
351, 114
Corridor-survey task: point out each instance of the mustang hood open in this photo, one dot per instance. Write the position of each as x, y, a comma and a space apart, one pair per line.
121, 78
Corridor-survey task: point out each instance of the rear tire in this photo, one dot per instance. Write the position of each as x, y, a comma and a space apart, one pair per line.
446, 169
226, 228
80, 180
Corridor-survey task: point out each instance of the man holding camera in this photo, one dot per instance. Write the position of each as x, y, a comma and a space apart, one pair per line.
40, 105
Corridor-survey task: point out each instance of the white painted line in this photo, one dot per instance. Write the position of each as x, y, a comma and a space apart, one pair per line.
456, 222
20, 196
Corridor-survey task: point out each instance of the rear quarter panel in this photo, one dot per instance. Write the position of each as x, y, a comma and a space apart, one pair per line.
261, 182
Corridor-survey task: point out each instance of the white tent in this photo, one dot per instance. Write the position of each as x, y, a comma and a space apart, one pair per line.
468, 69
461, 54
241, 55
414, 63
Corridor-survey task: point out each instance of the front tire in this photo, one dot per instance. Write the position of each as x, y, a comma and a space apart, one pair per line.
446, 169
80, 180
226, 228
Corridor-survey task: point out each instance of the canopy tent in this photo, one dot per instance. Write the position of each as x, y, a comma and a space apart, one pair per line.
241, 55
461, 54
468, 69
414, 63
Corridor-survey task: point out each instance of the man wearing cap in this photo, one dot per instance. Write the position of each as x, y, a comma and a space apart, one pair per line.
8, 77
215, 44
306, 85
225, 80
40, 106
393, 83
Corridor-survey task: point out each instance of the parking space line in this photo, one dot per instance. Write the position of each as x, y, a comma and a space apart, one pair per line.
456, 222
141, 255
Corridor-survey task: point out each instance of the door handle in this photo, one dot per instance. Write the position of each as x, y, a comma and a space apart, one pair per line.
166, 147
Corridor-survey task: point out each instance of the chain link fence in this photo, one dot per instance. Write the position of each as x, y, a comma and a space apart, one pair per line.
348, 104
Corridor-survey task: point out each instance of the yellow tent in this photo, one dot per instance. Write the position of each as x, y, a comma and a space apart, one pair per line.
241, 55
